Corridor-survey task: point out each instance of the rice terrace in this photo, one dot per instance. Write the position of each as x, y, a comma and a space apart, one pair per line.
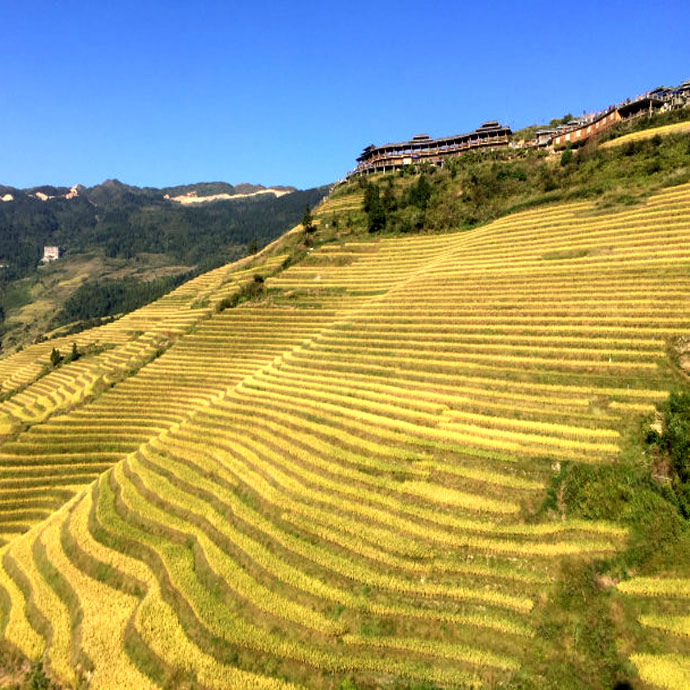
435, 435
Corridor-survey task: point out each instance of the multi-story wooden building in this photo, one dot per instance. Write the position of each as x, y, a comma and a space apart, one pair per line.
602, 121
423, 149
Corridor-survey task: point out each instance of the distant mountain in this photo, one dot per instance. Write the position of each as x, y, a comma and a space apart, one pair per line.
245, 188
123, 220
140, 241
113, 191
203, 189
210, 192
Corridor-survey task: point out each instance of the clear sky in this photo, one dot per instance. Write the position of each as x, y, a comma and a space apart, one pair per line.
161, 93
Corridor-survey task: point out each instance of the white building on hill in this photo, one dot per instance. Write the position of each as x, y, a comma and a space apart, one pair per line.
50, 254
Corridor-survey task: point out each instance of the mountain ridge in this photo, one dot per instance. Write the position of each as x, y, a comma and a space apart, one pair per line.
112, 188
115, 231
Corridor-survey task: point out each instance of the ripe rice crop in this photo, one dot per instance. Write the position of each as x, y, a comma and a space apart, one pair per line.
332, 481
675, 128
656, 587
668, 671
678, 625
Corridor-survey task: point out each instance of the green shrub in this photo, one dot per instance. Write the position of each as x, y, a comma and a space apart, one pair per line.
673, 443
37, 677
420, 193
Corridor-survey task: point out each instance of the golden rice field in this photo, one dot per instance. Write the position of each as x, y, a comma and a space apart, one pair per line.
675, 128
333, 482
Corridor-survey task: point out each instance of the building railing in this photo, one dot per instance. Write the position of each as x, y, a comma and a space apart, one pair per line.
431, 151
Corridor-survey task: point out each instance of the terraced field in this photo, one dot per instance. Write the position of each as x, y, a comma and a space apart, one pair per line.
82, 417
675, 128
663, 605
336, 481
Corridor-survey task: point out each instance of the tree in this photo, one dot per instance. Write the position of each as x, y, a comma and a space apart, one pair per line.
390, 203
453, 165
561, 121
566, 155
373, 207
55, 357
420, 193
308, 220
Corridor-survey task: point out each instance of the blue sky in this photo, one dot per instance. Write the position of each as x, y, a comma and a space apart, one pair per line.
162, 93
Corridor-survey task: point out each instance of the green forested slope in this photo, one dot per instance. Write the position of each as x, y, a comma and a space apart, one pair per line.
123, 245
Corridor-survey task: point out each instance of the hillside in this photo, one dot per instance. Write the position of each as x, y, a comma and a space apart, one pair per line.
381, 461
144, 240
483, 185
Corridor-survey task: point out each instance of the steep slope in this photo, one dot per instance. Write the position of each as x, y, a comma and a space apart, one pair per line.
340, 479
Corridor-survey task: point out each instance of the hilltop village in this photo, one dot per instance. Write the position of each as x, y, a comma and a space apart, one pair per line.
573, 133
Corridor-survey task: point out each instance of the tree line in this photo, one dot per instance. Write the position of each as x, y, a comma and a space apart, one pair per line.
108, 297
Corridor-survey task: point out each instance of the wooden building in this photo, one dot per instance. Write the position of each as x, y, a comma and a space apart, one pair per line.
680, 97
544, 137
641, 106
578, 135
423, 149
